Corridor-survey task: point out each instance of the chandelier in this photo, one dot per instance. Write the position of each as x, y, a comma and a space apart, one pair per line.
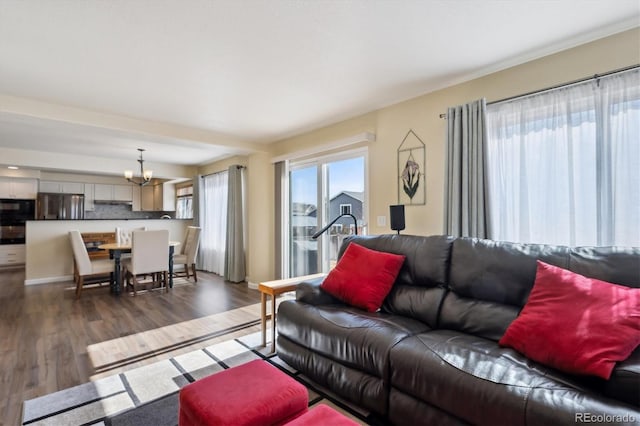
145, 175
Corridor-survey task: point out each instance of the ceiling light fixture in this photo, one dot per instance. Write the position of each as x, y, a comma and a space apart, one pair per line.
13, 167
145, 175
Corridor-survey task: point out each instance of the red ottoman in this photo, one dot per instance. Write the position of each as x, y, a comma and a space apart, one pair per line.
255, 393
322, 415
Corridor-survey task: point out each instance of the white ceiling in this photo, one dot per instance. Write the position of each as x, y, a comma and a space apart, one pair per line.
196, 80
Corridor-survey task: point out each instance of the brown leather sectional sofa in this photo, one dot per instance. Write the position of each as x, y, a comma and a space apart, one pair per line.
431, 355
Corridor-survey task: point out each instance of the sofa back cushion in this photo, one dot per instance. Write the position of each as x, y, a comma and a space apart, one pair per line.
363, 277
618, 265
421, 282
490, 281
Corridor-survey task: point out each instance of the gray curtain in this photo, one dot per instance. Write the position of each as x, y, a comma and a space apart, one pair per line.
465, 181
280, 170
196, 202
234, 269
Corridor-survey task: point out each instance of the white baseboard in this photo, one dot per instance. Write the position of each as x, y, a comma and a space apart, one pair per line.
252, 285
48, 280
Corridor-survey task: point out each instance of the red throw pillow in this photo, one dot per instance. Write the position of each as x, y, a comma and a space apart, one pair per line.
576, 324
363, 277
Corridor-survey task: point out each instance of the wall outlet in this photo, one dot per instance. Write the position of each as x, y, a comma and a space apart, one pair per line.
382, 221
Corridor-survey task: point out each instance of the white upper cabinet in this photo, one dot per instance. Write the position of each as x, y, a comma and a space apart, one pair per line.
62, 187
122, 192
89, 189
104, 192
168, 197
19, 188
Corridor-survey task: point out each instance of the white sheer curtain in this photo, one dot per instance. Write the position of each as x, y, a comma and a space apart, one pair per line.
213, 220
564, 165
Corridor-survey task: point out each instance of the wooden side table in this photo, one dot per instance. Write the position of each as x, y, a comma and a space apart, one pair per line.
274, 288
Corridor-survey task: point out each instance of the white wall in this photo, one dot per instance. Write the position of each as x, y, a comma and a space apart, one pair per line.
48, 251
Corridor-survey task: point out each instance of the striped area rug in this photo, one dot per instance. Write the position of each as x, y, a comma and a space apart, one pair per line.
148, 395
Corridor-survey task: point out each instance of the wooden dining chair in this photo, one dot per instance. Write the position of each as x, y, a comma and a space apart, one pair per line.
189, 251
149, 255
84, 266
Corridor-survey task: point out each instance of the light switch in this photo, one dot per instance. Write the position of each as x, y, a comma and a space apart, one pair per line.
382, 221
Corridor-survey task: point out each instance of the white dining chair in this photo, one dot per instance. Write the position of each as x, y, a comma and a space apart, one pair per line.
189, 251
84, 266
123, 235
149, 255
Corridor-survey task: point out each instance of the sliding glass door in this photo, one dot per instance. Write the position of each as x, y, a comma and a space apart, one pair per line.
320, 191
303, 220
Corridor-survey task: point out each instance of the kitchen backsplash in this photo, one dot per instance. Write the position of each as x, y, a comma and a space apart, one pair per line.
122, 211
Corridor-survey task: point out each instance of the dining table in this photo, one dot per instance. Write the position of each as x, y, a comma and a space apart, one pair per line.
115, 252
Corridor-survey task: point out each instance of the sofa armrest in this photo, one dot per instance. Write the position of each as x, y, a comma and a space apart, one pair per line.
310, 292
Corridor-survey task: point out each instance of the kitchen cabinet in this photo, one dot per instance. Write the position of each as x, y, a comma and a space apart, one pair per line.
104, 192
136, 202
161, 197
12, 254
62, 187
146, 198
89, 197
20, 188
168, 197
157, 198
122, 193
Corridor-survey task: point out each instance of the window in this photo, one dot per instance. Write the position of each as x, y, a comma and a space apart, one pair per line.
564, 165
184, 202
345, 208
214, 190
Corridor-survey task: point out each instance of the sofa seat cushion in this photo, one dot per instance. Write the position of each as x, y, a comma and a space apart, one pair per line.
348, 335
363, 390
498, 385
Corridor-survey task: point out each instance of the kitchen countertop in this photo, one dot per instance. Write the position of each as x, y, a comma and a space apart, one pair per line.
115, 218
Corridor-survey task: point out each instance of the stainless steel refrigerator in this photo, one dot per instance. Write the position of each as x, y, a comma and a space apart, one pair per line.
51, 206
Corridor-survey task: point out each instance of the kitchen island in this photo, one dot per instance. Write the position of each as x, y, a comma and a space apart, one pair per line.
48, 251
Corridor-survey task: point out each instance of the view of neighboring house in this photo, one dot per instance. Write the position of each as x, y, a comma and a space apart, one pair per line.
304, 224
346, 202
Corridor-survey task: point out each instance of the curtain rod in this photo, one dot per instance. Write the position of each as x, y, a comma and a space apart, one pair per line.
239, 166
571, 83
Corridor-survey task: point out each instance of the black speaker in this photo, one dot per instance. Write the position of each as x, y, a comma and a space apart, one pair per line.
397, 217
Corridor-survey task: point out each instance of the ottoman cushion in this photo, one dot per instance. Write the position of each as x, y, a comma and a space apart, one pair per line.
255, 393
322, 415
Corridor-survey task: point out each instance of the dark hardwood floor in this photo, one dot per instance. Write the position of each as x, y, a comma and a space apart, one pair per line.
50, 341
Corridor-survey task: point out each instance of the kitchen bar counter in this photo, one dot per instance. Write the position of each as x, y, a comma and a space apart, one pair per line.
48, 251
90, 220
